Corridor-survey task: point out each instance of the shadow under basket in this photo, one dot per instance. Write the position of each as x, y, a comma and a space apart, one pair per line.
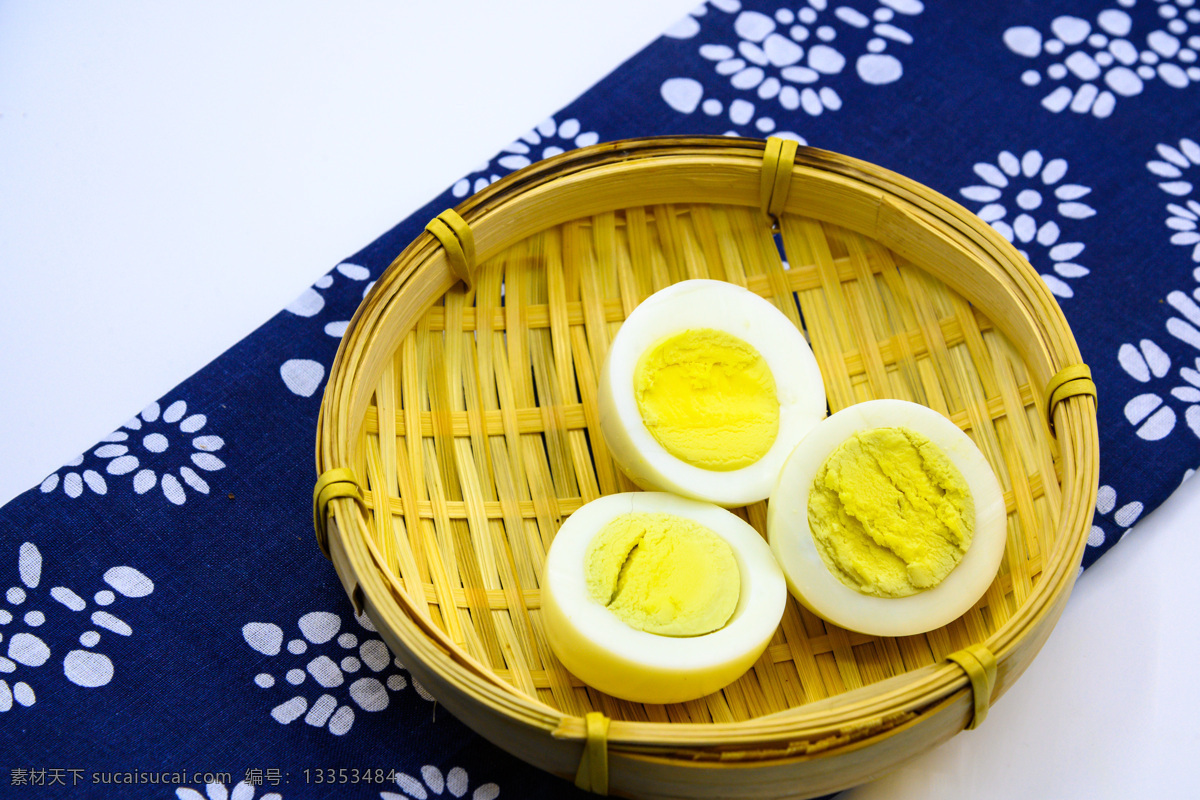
459, 428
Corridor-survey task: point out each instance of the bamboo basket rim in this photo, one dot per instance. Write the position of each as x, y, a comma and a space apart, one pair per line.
1048, 343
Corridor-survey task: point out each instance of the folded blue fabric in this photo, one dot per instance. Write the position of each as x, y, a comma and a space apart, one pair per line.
152, 628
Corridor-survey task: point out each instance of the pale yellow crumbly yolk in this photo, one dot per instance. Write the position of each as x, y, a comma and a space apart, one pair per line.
708, 398
663, 574
890, 513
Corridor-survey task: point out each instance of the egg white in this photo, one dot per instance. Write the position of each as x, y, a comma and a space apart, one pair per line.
811, 582
607, 654
690, 305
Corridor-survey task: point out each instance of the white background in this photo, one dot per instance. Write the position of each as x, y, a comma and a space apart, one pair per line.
172, 174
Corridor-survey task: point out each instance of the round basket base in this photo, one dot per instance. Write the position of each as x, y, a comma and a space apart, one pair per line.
469, 416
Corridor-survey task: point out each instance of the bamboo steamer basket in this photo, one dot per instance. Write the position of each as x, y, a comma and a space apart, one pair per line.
459, 428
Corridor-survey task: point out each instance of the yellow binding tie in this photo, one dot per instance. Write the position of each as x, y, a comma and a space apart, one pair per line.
1070, 381
340, 482
592, 775
980, 666
456, 237
778, 160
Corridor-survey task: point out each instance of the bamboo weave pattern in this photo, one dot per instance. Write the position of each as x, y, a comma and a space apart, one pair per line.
484, 434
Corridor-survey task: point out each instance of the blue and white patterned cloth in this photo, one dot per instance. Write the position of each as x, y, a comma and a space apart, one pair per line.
168, 554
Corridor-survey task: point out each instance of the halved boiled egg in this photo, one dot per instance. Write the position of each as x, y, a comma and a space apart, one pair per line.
656, 598
887, 519
705, 390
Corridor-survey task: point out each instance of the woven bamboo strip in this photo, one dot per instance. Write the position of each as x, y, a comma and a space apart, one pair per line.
414, 567
424, 542
798, 278
728, 253
385, 469
529, 420
531, 599
829, 337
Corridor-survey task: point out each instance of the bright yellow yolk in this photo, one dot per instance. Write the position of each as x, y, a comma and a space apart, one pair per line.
890, 513
708, 398
663, 574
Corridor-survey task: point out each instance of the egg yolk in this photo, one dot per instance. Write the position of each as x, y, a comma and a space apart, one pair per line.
890, 513
663, 574
708, 398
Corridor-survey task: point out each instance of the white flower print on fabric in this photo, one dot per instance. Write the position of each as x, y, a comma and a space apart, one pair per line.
167, 448
686, 94
1122, 518
73, 481
1152, 419
794, 58
218, 791
311, 302
1155, 411
1176, 166
1016, 194
433, 783
549, 138
30, 639
1092, 63
338, 664
689, 26
302, 376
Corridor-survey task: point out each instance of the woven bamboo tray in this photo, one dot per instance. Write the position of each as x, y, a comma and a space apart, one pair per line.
459, 428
